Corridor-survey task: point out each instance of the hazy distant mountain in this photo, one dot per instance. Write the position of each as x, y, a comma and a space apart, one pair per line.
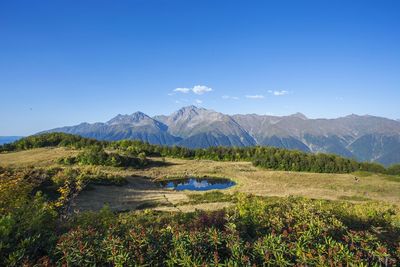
8, 139
366, 138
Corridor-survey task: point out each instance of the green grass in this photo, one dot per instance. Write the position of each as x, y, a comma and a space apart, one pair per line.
362, 174
354, 198
210, 197
392, 178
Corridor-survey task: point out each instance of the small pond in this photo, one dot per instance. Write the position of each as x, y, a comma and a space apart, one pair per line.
197, 184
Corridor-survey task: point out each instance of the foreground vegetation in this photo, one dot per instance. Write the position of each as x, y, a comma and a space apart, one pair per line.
256, 231
136, 151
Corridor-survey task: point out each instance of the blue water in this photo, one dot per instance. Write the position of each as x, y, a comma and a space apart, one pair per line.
197, 184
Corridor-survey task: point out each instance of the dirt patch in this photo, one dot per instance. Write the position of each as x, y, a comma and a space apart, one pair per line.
138, 193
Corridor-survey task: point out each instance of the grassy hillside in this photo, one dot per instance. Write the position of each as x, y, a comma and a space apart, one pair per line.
261, 156
355, 186
35, 157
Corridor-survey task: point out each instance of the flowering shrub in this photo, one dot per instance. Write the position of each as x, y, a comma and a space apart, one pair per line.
256, 232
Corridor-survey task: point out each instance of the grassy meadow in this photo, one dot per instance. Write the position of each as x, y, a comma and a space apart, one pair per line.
140, 191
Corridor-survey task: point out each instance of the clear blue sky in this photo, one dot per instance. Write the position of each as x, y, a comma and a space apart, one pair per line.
65, 62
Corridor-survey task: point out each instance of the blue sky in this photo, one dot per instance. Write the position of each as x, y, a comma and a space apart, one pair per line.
65, 62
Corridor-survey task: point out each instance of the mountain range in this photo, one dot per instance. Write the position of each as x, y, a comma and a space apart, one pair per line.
365, 138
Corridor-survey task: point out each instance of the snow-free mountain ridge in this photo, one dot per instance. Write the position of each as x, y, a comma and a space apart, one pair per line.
366, 138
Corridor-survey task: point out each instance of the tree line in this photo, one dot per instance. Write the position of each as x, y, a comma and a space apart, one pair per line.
266, 157
49, 140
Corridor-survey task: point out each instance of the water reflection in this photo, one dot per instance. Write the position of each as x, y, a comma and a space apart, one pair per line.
197, 184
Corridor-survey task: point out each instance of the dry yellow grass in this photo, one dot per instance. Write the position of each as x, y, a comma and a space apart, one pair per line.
39, 157
142, 192
281, 183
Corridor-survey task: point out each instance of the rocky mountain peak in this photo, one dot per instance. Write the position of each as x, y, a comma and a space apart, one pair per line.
299, 115
186, 113
134, 118
137, 116
353, 116
189, 109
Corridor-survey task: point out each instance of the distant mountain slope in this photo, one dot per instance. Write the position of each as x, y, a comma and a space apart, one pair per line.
366, 138
377, 147
8, 139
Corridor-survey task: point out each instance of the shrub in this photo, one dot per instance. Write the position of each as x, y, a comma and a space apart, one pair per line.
394, 169
27, 232
257, 231
96, 155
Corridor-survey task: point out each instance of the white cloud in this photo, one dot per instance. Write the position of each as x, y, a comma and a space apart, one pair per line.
197, 89
283, 92
278, 93
182, 90
255, 96
201, 89
198, 101
230, 97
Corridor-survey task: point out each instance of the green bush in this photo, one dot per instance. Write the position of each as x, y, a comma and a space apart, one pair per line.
96, 155
394, 169
27, 232
257, 232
